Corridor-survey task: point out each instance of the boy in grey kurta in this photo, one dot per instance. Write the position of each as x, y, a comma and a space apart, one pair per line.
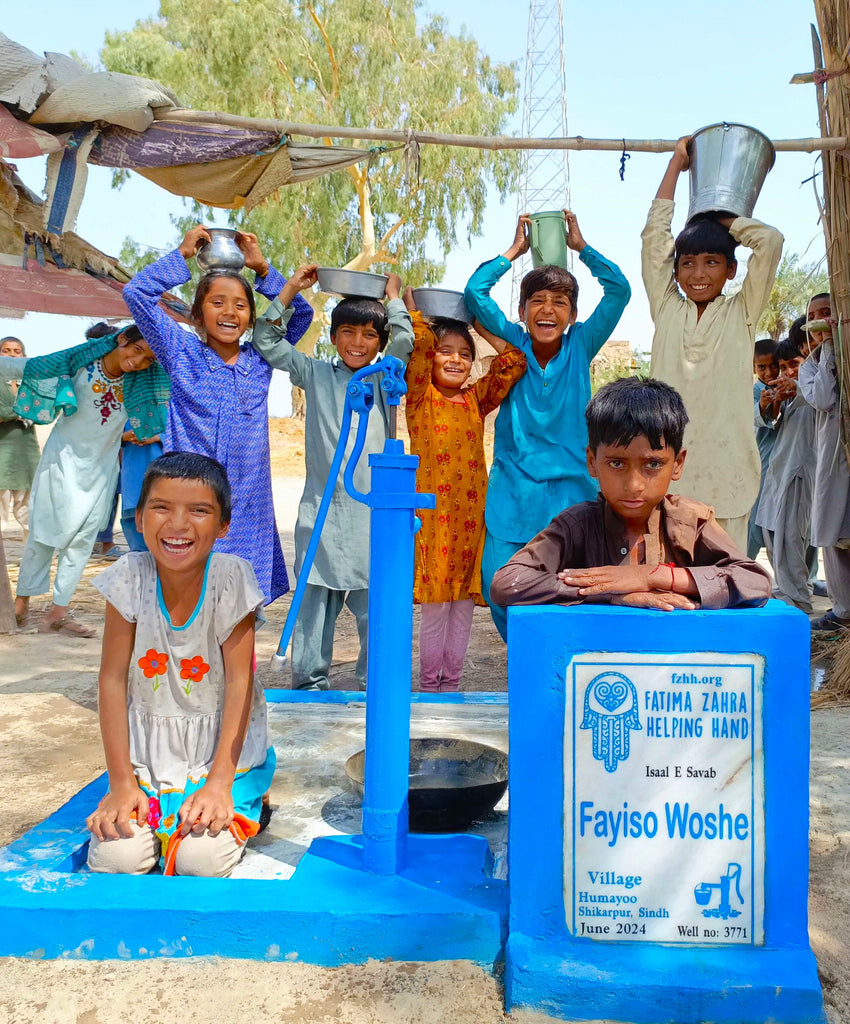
785, 507
339, 575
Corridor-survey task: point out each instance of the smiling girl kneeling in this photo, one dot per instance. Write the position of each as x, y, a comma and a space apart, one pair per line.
182, 717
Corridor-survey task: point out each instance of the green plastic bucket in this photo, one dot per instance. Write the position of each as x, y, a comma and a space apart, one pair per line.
548, 238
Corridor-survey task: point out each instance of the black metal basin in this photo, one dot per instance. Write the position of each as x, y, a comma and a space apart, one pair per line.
452, 782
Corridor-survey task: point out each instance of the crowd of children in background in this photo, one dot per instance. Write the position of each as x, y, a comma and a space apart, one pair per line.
577, 506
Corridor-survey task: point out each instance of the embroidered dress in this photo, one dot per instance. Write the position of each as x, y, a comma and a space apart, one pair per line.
221, 410
75, 481
176, 684
448, 437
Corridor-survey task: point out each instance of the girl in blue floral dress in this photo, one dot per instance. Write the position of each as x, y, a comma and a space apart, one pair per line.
220, 387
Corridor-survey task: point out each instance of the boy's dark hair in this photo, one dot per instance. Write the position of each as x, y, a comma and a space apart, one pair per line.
443, 325
636, 407
788, 349
358, 313
821, 295
551, 279
796, 334
764, 347
189, 466
208, 280
704, 234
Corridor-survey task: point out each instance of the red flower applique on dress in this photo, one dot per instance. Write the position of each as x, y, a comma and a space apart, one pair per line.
154, 664
193, 670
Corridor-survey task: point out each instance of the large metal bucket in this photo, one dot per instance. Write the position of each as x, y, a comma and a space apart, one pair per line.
729, 163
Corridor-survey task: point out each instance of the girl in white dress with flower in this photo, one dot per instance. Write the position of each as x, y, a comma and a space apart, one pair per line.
182, 717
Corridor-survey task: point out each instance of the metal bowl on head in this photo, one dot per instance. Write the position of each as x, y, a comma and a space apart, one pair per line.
352, 284
452, 782
221, 252
442, 303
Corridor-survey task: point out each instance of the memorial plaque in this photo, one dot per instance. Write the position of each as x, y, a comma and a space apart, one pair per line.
664, 798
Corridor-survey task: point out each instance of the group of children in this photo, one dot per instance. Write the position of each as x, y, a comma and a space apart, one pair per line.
803, 500
577, 506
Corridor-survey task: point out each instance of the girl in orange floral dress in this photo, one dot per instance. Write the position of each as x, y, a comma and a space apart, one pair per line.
446, 423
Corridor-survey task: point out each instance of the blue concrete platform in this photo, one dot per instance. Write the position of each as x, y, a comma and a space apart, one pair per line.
445, 905
299, 893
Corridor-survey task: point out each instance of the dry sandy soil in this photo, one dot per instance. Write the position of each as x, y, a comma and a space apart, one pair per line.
51, 748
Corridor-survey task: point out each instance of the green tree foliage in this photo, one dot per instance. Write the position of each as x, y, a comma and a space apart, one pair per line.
354, 62
794, 285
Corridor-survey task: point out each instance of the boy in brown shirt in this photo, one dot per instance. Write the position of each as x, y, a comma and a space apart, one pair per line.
635, 545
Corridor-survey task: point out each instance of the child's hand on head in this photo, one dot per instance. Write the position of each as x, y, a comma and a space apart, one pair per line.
574, 236
409, 301
111, 820
305, 276
393, 289
608, 579
250, 246
192, 239
521, 242
210, 807
660, 601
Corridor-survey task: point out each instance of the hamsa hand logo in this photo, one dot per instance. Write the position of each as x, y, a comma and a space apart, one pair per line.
611, 711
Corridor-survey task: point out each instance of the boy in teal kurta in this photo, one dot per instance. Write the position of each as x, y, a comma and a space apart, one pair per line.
539, 465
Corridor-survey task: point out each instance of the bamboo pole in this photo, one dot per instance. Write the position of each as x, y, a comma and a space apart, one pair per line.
829, 44
492, 142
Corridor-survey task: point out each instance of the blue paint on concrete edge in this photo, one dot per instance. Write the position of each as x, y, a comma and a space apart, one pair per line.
444, 905
282, 696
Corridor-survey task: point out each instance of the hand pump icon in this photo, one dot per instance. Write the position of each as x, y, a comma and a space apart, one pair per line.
703, 894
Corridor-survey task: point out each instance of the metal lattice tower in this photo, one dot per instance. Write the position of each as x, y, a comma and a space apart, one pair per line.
544, 174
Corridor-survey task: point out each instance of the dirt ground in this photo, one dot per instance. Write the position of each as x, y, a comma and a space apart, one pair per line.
51, 748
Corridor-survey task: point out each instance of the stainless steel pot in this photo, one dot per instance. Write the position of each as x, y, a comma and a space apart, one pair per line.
441, 302
352, 284
221, 252
729, 163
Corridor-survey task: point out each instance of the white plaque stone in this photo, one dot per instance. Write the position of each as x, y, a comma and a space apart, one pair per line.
664, 798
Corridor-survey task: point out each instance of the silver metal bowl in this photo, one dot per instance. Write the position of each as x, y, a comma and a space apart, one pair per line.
440, 302
221, 252
353, 284
452, 782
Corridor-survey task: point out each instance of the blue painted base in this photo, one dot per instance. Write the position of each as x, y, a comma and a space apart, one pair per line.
645, 984
549, 970
445, 905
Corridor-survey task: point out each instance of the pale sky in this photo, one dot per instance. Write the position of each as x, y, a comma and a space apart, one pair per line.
649, 70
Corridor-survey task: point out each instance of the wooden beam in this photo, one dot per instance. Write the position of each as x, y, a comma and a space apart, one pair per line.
491, 142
